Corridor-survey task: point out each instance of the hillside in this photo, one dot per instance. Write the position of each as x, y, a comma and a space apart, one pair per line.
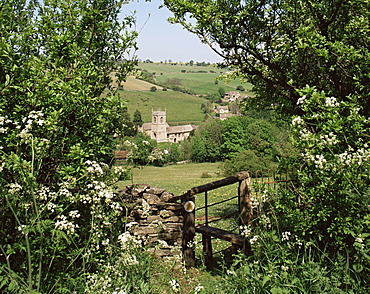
181, 108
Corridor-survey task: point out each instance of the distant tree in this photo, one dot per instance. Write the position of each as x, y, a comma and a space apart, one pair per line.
207, 141
221, 91
137, 119
153, 89
240, 88
247, 160
191, 62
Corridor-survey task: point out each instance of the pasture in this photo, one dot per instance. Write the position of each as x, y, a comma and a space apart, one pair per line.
181, 108
176, 179
199, 79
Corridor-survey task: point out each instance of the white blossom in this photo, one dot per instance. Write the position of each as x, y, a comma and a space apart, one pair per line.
297, 121
331, 102
174, 285
285, 236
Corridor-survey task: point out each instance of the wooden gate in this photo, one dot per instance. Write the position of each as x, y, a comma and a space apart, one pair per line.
245, 215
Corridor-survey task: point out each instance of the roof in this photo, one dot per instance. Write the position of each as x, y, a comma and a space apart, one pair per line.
147, 126
180, 129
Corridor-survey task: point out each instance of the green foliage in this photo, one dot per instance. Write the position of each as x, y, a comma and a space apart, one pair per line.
333, 169
281, 46
137, 120
153, 89
141, 148
221, 91
57, 204
247, 161
206, 142
216, 140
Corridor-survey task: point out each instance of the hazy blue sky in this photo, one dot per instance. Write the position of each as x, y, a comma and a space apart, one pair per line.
159, 40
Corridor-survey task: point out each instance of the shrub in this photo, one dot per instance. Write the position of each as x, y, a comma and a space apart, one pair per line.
246, 161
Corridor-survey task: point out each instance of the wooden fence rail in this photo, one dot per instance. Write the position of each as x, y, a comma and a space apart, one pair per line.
189, 228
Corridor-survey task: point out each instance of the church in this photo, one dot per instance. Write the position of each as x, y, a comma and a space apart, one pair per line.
160, 131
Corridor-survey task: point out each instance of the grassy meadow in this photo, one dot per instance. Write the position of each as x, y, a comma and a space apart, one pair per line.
181, 108
176, 179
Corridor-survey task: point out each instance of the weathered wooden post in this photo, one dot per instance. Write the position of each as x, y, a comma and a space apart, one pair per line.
245, 207
188, 232
245, 203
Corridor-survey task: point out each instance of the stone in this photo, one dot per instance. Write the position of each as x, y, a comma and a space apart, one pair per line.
152, 218
154, 190
170, 206
173, 219
167, 197
151, 198
166, 213
145, 231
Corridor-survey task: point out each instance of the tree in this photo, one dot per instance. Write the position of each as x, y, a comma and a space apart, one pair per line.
137, 120
282, 46
221, 91
55, 61
153, 89
207, 141
58, 115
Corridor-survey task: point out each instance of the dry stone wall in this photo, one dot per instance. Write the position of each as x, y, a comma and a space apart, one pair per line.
157, 217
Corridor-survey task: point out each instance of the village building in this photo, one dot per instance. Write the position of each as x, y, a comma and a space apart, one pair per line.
232, 96
160, 131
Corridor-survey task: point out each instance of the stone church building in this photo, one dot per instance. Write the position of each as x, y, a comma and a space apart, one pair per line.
160, 131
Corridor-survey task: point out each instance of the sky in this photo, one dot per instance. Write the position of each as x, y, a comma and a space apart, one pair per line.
161, 41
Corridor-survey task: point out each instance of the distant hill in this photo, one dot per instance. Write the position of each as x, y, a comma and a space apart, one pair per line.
181, 108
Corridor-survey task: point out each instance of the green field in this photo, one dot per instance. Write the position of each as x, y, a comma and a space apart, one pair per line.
178, 179
180, 107
199, 82
166, 68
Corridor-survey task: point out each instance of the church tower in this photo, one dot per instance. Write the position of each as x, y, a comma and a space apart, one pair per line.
159, 125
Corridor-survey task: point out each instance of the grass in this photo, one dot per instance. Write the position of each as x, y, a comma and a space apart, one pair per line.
180, 107
204, 83
199, 82
176, 179
166, 68
134, 84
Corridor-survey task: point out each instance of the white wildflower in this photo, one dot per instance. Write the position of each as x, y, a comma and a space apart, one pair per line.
254, 239
198, 289
64, 225
74, 214
301, 100
285, 236
297, 121
174, 285
331, 102
51, 206
245, 231
14, 188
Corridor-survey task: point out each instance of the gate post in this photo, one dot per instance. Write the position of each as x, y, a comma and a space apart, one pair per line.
188, 231
245, 203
